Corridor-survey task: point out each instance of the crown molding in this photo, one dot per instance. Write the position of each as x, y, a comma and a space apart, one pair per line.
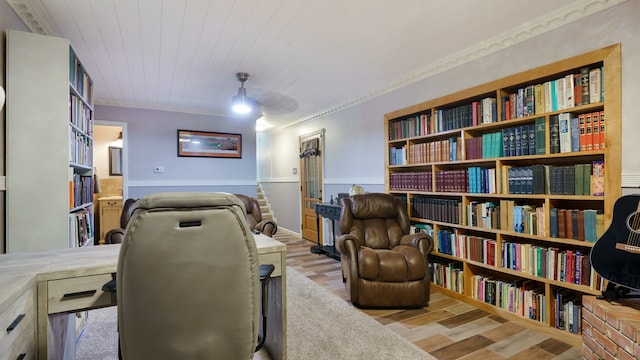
30, 13
562, 16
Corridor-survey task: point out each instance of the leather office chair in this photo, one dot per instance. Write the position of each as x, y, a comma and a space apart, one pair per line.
254, 216
115, 236
382, 264
188, 279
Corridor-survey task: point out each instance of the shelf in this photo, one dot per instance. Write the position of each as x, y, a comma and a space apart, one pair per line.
523, 192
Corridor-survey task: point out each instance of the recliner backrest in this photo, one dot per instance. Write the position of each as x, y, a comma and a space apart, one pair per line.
188, 280
127, 209
378, 220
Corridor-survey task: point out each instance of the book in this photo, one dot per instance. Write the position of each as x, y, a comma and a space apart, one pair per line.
588, 131
553, 222
584, 82
554, 135
540, 136
595, 133
564, 131
562, 223
539, 97
602, 130
582, 126
569, 88
597, 185
595, 85
575, 133
489, 113
577, 89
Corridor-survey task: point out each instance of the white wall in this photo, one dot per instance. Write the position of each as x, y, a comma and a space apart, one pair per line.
354, 141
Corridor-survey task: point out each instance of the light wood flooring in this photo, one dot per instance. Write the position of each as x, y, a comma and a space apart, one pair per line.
447, 329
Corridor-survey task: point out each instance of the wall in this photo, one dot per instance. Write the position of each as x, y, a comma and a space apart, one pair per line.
152, 141
354, 141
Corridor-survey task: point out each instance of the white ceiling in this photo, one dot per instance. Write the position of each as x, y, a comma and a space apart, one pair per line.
304, 58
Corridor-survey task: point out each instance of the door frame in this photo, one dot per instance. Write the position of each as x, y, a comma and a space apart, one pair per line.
125, 152
306, 213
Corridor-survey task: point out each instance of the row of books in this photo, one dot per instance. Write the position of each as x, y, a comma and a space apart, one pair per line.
584, 224
415, 125
80, 114
476, 113
411, 181
567, 307
80, 228
570, 266
522, 297
435, 151
578, 224
81, 191
566, 92
398, 155
521, 218
79, 79
569, 132
484, 214
443, 210
80, 148
574, 179
447, 275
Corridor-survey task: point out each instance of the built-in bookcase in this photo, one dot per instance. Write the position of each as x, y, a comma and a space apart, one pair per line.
508, 177
49, 145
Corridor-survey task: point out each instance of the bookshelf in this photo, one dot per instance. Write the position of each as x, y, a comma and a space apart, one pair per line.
513, 207
49, 145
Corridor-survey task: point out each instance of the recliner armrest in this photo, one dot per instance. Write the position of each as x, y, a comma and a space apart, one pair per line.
114, 236
422, 241
267, 227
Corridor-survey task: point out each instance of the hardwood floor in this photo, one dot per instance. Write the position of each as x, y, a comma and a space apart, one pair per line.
447, 329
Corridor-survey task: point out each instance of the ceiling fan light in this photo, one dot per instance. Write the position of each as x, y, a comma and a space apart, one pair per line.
240, 104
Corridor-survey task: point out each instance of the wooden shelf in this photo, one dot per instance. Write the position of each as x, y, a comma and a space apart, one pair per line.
408, 133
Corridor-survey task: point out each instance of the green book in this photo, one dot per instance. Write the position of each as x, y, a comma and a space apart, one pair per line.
579, 179
540, 138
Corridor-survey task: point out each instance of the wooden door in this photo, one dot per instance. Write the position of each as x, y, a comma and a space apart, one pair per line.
311, 183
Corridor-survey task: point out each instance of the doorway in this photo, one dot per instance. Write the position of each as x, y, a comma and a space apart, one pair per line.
109, 154
311, 146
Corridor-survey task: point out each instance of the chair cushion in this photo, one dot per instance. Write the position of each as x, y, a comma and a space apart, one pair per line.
402, 263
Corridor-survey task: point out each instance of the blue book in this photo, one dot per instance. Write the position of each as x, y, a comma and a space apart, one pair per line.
553, 222
575, 134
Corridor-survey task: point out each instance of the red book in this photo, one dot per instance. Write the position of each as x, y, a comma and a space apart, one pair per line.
595, 125
582, 126
588, 132
562, 214
602, 128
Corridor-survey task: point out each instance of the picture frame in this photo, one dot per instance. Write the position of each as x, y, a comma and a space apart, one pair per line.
209, 144
115, 161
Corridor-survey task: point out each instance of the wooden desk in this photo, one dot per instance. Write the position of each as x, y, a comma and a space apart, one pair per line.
58, 283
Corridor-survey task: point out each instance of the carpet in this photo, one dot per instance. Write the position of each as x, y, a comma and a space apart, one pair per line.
320, 326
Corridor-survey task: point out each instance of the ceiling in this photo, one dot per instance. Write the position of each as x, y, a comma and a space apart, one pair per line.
304, 58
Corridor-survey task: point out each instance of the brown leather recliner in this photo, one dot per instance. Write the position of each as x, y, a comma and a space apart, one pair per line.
254, 216
384, 266
115, 236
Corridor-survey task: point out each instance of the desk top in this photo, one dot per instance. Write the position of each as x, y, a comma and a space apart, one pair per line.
20, 271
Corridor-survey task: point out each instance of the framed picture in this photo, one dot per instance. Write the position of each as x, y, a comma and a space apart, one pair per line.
115, 161
209, 144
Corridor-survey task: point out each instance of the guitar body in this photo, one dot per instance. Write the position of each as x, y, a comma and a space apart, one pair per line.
616, 254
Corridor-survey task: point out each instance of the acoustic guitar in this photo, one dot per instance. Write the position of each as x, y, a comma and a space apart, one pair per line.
616, 254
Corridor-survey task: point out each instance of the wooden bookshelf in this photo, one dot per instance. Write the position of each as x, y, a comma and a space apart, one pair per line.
455, 162
49, 145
